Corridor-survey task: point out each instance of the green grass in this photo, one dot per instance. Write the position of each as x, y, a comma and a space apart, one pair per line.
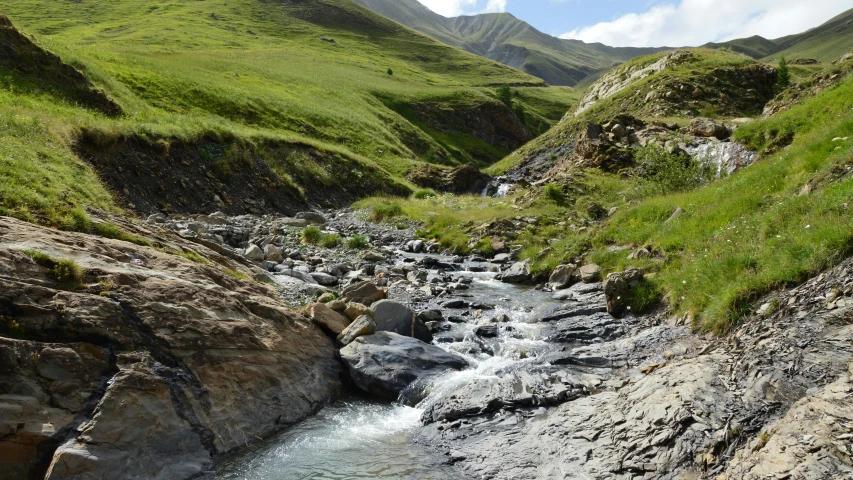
315, 236
752, 232
739, 238
65, 271
358, 242
246, 71
385, 211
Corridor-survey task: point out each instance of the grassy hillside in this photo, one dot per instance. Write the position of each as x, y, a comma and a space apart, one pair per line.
825, 43
704, 82
316, 76
502, 37
777, 222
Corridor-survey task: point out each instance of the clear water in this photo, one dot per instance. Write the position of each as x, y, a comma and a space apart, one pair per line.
364, 439
355, 439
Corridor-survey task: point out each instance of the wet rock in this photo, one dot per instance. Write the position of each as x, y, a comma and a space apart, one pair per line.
519, 272
511, 390
332, 322
584, 329
562, 277
431, 316
361, 326
385, 364
391, 316
617, 289
486, 331
590, 273
455, 304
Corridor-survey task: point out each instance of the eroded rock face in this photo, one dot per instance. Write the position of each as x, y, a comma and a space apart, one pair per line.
460, 180
154, 357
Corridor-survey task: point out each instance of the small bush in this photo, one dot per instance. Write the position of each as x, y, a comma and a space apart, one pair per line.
385, 211
358, 242
311, 235
554, 193
643, 297
668, 172
390, 72
424, 193
784, 76
329, 240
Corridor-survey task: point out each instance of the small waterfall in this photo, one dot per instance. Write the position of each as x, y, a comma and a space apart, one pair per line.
497, 189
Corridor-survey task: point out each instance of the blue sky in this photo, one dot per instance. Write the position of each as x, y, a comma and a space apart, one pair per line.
644, 23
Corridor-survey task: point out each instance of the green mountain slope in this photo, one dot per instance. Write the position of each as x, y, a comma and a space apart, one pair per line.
825, 43
303, 94
502, 37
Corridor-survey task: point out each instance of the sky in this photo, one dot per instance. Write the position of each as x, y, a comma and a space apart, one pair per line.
657, 23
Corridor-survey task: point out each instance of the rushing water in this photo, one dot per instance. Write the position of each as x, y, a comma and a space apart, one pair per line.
364, 439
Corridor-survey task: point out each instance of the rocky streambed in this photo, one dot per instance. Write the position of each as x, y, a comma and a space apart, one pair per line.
421, 365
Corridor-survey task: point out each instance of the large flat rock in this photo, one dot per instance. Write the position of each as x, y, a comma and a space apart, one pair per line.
386, 363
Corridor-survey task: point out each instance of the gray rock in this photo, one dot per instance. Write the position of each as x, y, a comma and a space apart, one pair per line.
324, 278
431, 316
486, 331
311, 217
254, 253
502, 258
584, 329
361, 326
617, 288
371, 256
519, 272
385, 364
273, 253
391, 316
293, 222
590, 273
156, 218
562, 277
299, 275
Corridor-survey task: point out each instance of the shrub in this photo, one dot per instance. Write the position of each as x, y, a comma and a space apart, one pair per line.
784, 78
554, 193
329, 240
358, 242
424, 193
504, 94
385, 211
67, 272
390, 72
668, 172
311, 235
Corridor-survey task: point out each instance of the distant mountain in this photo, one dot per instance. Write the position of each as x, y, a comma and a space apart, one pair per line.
825, 43
506, 39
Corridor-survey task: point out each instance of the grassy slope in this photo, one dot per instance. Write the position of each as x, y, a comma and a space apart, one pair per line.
622, 102
503, 37
740, 236
825, 43
250, 69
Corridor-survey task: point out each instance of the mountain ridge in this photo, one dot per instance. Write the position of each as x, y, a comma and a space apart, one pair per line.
511, 41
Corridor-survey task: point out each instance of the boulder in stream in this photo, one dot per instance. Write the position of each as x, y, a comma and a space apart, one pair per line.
395, 317
386, 363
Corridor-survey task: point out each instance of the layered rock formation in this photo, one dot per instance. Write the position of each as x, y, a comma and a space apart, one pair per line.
141, 363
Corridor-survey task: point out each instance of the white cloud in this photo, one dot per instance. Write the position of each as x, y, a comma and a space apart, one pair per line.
696, 22
454, 8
